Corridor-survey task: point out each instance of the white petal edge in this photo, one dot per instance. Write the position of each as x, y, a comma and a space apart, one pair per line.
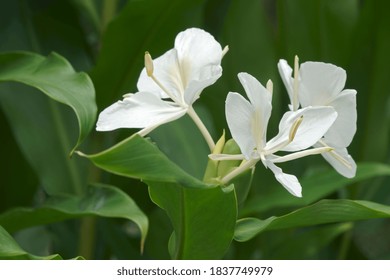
258, 95
315, 123
208, 77
341, 161
320, 83
196, 49
140, 110
343, 129
260, 98
288, 181
239, 115
285, 72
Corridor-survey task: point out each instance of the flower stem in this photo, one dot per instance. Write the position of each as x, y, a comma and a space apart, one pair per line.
242, 168
194, 116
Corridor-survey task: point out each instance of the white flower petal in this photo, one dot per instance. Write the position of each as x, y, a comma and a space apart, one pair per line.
209, 75
344, 128
289, 182
340, 160
315, 123
140, 110
260, 98
320, 83
285, 72
196, 49
258, 95
167, 71
239, 116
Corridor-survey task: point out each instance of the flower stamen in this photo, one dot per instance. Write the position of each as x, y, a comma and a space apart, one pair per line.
296, 84
149, 71
291, 136
225, 50
270, 86
294, 128
338, 157
149, 64
314, 151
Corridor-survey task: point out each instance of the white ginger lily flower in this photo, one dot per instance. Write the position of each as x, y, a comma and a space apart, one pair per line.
248, 121
169, 85
322, 84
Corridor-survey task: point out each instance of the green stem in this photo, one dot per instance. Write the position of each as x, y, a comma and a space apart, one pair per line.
181, 237
87, 237
206, 134
345, 244
237, 171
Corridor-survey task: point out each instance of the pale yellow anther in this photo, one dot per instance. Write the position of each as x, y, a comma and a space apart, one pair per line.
148, 64
270, 86
294, 128
225, 50
296, 84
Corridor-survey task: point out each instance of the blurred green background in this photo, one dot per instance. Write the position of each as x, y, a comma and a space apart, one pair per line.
107, 39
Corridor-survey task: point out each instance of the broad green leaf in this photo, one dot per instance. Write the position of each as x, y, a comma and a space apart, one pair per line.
101, 200
11, 170
136, 157
322, 212
316, 186
43, 129
203, 219
10, 250
54, 76
183, 143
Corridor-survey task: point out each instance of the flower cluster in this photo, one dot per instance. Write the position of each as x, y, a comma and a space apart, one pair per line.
321, 117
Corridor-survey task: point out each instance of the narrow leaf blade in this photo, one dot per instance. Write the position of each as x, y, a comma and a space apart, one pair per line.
322, 212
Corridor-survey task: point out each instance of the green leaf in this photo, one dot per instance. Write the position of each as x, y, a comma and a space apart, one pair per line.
183, 143
43, 129
322, 212
54, 76
101, 200
203, 219
136, 157
316, 186
10, 250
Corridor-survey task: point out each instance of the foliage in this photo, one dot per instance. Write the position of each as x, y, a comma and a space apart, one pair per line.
121, 196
